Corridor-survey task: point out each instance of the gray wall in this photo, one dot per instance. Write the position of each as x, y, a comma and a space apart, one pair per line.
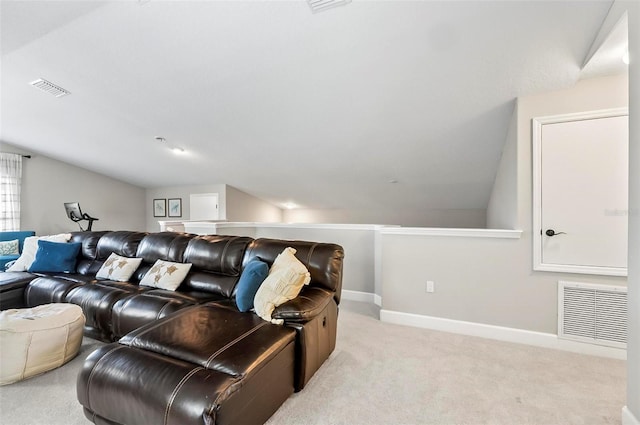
183, 192
48, 183
492, 281
502, 212
425, 218
244, 207
233, 204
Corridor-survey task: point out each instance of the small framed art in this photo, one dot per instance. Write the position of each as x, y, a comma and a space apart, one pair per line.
175, 207
159, 207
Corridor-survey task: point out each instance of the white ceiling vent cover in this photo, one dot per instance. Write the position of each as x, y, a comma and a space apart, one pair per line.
591, 313
320, 5
50, 88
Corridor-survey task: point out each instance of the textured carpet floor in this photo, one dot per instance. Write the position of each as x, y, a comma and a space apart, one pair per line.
388, 374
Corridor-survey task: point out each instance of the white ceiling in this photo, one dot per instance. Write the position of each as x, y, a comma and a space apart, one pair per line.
319, 109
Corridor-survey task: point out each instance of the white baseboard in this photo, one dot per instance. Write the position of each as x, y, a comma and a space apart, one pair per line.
365, 297
500, 333
629, 418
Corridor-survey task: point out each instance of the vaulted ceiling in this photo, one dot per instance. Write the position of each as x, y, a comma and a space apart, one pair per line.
323, 110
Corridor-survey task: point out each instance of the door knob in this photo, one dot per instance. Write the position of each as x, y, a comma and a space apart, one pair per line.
551, 232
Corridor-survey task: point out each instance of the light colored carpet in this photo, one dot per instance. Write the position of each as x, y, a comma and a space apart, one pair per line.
388, 374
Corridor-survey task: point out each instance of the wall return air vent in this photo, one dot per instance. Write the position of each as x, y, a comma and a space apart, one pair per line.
49, 87
591, 313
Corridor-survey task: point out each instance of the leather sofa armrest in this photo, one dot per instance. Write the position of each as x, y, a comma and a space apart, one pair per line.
12, 286
308, 304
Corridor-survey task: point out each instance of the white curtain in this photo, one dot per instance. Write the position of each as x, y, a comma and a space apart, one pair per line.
10, 179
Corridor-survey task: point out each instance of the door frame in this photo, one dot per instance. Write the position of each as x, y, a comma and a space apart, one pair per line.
537, 124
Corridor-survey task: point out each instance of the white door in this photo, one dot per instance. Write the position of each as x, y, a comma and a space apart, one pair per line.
203, 206
583, 193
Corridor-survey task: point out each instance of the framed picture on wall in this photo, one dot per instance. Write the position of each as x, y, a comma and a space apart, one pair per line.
175, 207
159, 207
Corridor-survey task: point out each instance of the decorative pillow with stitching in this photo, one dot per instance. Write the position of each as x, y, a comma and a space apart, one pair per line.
29, 249
55, 257
166, 275
253, 274
118, 268
10, 247
286, 278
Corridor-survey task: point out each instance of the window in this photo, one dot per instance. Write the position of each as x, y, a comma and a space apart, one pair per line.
10, 179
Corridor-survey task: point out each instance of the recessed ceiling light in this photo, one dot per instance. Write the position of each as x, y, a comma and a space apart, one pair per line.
625, 58
177, 150
393, 181
290, 205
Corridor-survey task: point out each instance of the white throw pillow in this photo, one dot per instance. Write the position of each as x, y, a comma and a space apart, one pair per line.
286, 278
30, 248
118, 268
166, 275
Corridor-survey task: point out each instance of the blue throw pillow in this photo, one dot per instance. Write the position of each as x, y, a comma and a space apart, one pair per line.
55, 257
254, 273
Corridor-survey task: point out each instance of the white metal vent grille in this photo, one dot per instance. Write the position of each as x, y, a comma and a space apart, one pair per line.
592, 313
320, 5
49, 87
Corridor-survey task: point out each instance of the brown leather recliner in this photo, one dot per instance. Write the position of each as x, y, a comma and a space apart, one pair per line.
189, 356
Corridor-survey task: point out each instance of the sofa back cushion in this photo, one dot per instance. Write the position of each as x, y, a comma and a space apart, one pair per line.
122, 243
87, 264
217, 263
323, 260
166, 246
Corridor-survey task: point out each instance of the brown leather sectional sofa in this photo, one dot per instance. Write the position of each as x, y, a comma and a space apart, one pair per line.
189, 356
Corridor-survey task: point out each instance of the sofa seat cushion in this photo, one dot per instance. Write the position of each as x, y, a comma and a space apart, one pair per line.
193, 297
125, 286
73, 277
140, 309
10, 279
124, 385
47, 289
218, 338
97, 302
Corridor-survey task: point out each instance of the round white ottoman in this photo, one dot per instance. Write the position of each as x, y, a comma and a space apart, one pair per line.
35, 340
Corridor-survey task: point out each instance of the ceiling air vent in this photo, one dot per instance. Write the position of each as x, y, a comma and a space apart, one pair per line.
320, 5
50, 88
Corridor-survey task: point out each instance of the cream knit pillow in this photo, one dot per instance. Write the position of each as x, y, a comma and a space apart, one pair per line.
286, 278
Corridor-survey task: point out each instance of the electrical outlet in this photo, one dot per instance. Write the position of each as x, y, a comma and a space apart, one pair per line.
431, 286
